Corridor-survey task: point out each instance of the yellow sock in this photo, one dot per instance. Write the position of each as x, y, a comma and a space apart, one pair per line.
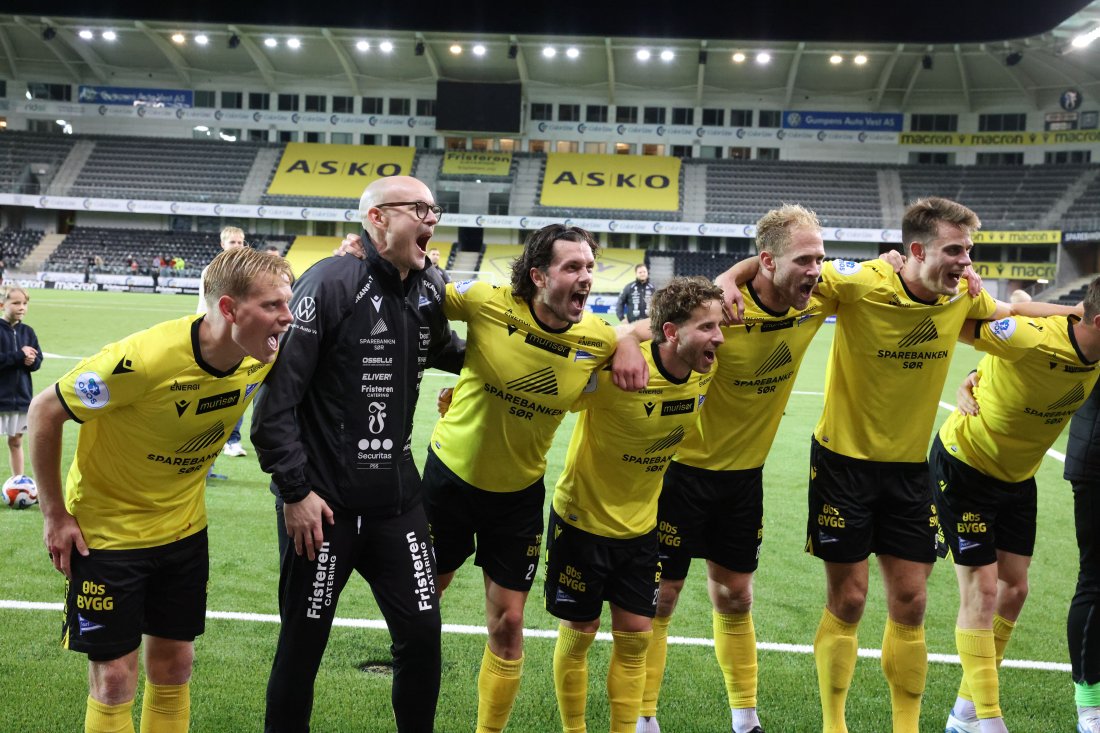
905, 666
735, 647
571, 677
626, 678
1002, 632
835, 648
655, 660
978, 654
102, 718
166, 708
497, 687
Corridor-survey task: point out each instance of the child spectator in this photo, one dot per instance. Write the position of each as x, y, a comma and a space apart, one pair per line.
19, 356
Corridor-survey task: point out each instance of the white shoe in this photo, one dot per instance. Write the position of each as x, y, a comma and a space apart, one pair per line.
234, 449
1089, 723
647, 725
954, 725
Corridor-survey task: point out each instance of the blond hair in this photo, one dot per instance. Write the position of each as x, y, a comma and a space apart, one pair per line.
774, 230
235, 271
8, 292
228, 232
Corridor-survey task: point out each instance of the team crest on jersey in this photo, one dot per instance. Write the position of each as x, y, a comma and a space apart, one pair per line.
91, 390
1004, 328
582, 354
847, 267
463, 286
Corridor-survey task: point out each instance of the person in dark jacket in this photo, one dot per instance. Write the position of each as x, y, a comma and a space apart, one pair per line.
1083, 625
333, 426
19, 356
634, 301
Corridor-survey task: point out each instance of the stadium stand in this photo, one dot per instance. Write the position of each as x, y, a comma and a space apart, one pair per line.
707, 264
842, 194
19, 151
1005, 197
166, 169
115, 247
16, 244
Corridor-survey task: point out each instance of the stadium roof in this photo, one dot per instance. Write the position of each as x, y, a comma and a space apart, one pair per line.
963, 54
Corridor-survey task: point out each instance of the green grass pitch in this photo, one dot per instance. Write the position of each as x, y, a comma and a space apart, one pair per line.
46, 686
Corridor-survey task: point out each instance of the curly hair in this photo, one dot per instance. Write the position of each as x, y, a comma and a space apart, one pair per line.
538, 253
675, 302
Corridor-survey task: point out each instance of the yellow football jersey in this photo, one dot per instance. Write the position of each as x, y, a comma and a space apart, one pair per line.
1033, 378
756, 370
154, 417
621, 445
888, 363
518, 381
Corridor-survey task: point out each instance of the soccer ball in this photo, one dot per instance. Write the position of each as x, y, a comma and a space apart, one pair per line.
20, 492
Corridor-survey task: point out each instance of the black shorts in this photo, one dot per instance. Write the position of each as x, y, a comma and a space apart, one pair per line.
717, 515
980, 514
857, 507
507, 526
115, 596
583, 570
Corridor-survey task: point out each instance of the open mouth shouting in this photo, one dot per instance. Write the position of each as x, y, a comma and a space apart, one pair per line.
577, 301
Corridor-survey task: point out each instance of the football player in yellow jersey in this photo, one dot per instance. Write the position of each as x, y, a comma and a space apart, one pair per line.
602, 539
869, 488
1036, 373
129, 532
712, 502
530, 349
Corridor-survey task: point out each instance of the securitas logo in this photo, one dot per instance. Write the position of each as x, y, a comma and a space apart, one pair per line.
218, 402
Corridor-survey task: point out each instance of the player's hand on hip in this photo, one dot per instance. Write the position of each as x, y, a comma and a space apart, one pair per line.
303, 523
964, 395
443, 401
61, 533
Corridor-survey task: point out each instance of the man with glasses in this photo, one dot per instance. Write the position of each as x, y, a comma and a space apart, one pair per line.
531, 350
333, 428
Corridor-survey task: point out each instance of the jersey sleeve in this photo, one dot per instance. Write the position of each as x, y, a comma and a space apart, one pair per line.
1009, 338
463, 299
595, 392
846, 281
113, 378
982, 307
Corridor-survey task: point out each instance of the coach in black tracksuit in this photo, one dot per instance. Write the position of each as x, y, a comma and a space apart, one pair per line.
332, 424
633, 303
1083, 471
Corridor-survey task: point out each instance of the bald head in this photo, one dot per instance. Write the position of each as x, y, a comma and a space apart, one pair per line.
389, 212
392, 188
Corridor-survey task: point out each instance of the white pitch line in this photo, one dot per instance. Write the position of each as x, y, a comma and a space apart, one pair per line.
467, 630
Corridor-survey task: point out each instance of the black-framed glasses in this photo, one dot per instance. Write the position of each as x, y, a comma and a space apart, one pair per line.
422, 208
